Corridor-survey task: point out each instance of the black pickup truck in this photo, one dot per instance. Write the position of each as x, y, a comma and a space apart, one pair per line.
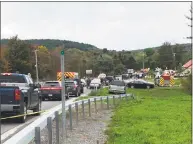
18, 94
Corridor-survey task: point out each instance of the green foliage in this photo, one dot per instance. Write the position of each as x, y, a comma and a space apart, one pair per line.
19, 56
160, 115
187, 84
52, 43
100, 92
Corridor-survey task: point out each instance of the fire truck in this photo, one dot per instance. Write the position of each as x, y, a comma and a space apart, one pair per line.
67, 75
165, 79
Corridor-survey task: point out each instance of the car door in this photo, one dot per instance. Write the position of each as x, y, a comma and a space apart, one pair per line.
137, 84
33, 94
140, 84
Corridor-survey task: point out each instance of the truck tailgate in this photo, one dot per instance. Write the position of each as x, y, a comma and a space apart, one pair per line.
7, 95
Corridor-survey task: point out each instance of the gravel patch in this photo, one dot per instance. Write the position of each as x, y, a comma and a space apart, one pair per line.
88, 131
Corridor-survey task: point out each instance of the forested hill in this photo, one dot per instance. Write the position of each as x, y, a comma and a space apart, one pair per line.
53, 43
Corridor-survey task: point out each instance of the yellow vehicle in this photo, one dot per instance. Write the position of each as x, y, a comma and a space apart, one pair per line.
69, 75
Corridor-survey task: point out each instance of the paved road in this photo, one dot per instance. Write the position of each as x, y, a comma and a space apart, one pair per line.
10, 127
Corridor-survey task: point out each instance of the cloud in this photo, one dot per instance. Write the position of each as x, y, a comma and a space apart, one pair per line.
109, 25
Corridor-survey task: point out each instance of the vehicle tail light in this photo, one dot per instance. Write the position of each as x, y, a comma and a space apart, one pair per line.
17, 94
6, 73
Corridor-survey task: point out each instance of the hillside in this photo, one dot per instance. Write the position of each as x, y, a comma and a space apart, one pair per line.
52, 43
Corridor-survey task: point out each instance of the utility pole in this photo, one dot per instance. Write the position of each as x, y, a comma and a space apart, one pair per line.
174, 55
37, 77
63, 97
143, 60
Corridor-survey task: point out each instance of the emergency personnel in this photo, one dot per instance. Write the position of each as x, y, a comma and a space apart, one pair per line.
88, 81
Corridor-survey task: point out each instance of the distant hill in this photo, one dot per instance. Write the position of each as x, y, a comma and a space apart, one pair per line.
187, 48
53, 43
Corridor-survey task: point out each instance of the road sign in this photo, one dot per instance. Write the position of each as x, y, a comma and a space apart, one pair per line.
62, 52
130, 71
88, 71
63, 97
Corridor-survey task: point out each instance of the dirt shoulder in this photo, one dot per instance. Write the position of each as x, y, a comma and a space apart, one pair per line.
88, 131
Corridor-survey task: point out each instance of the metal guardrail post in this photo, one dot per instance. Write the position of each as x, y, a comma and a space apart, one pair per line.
107, 102
37, 135
70, 114
101, 102
49, 122
95, 104
89, 109
114, 100
83, 114
57, 126
76, 107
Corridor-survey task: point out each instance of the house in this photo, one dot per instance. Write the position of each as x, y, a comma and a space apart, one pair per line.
188, 67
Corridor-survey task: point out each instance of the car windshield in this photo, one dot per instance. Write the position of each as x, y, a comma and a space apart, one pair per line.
141, 80
12, 79
110, 78
95, 81
118, 83
52, 84
70, 83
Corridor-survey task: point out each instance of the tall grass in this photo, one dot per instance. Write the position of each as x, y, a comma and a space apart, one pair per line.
187, 84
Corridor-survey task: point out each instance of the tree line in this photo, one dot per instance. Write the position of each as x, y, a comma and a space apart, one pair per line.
18, 55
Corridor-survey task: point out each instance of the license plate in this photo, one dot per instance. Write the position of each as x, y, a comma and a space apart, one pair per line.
49, 94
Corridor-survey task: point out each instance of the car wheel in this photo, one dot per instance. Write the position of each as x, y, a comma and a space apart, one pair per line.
67, 97
148, 87
82, 90
38, 108
77, 94
23, 118
132, 86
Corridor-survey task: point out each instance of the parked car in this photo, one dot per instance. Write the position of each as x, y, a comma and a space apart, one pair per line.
95, 83
72, 88
51, 90
140, 83
19, 94
117, 86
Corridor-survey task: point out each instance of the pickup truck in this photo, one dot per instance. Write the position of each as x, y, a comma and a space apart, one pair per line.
52, 90
18, 94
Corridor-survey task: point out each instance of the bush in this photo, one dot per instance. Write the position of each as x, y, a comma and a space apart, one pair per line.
187, 84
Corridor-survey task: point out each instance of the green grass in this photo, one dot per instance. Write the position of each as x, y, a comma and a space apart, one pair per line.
100, 92
158, 116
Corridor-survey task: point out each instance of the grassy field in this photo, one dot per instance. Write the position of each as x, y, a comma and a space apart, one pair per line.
158, 116
100, 92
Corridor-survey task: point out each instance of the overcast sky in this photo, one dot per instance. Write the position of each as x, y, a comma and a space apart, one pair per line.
112, 25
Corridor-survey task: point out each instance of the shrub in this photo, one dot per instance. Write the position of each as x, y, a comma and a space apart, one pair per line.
187, 84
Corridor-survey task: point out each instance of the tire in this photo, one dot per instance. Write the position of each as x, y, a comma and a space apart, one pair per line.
38, 108
67, 97
148, 87
77, 94
82, 90
132, 86
23, 118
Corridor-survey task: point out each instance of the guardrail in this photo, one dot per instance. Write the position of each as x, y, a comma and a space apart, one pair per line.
32, 131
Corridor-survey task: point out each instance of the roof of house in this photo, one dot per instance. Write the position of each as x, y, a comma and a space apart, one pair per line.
188, 64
